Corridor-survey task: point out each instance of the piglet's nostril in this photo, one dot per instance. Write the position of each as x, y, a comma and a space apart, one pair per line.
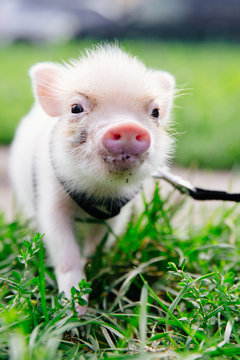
116, 136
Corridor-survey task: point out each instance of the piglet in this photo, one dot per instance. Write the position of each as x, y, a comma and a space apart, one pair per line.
97, 131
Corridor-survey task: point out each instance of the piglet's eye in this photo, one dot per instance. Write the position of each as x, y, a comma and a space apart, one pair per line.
77, 108
155, 113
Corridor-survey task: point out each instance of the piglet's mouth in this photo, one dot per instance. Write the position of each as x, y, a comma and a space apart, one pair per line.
124, 161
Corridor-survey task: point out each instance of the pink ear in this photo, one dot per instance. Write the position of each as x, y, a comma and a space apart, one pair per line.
45, 79
165, 80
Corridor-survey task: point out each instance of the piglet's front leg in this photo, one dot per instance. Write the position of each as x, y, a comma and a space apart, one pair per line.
56, 222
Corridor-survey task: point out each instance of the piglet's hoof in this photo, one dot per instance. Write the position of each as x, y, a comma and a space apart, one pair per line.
81, 310
74, 289
67, 280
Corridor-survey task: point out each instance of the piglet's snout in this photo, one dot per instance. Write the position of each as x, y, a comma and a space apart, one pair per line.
128, 138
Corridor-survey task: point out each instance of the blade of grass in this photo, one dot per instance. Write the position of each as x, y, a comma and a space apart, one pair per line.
42, 282
142, 316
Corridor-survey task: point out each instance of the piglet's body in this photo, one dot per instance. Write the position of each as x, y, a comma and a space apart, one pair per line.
94, 135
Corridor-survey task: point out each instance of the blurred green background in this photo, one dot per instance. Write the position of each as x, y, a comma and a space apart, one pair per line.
206, 115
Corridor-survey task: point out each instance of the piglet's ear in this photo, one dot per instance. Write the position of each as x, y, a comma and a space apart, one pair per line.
165, 80
45, 80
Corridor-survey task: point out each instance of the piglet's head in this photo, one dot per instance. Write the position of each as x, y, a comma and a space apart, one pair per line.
110, 117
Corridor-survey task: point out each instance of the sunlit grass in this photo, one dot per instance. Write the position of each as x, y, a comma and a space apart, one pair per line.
206, 117
158, 293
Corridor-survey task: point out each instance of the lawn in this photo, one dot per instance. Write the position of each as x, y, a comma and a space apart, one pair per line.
206, 116
159, 293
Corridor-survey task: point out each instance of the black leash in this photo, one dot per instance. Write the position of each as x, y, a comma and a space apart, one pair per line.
185, 187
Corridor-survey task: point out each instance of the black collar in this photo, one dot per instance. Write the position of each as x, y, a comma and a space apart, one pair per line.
100, 208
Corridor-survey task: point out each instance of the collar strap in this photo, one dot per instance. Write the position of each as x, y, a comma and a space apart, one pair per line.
100, 208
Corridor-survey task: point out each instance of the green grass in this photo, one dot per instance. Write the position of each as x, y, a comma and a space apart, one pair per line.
207, 116
159, 293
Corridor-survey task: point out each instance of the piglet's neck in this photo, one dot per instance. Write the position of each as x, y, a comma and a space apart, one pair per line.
99, 208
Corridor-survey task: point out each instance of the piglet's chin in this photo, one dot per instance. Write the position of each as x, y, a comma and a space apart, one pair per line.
124, 161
